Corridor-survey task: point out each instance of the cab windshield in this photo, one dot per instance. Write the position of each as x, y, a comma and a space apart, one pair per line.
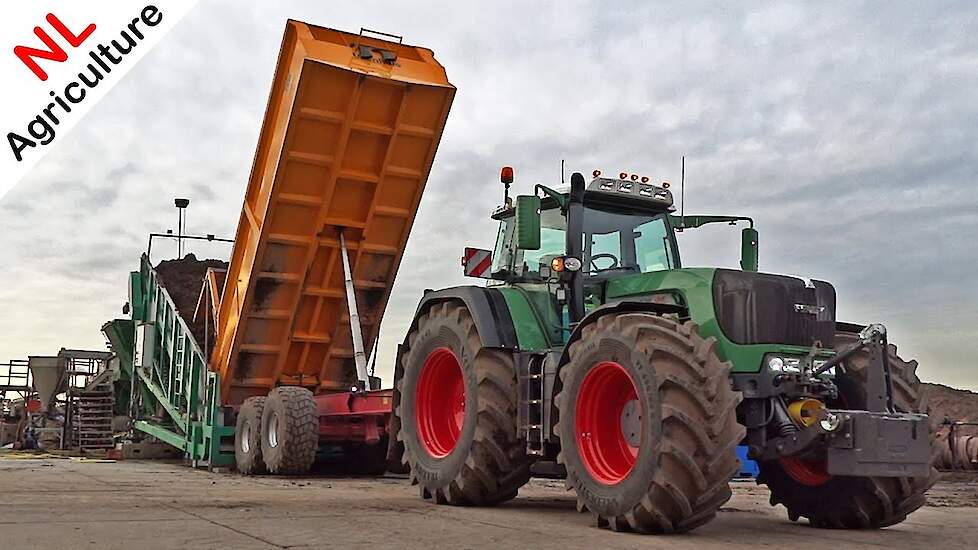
612, 242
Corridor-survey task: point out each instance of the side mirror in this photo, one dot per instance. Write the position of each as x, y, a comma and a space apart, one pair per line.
748, 249
477, 262
528, 222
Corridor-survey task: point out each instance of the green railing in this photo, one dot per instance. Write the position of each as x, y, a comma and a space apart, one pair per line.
175, 397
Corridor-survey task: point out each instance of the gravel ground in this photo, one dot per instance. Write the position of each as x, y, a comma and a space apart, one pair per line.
142, 504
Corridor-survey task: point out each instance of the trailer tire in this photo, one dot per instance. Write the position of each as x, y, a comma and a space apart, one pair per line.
471, 454
647, 424
247, 437
290, 431
845, 502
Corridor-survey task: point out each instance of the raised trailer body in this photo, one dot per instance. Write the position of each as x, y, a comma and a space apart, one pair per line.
350, 132
346, 145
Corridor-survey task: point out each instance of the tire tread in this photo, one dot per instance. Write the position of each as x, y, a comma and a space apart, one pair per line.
497, 465
692, 480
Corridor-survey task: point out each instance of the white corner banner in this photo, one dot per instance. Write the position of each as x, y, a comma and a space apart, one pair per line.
61, 58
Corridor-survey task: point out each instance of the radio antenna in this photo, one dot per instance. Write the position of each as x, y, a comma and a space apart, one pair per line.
682, 189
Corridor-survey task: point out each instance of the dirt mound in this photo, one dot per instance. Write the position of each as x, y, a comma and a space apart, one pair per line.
183, 280
959, 450
954, 404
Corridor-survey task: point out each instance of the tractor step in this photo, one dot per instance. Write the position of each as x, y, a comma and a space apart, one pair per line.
531, 414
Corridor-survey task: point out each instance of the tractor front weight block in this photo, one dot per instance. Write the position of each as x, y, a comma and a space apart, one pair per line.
863, 443
873, 444
879, 442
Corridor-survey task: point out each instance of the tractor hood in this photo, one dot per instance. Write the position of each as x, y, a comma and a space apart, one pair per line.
761, 308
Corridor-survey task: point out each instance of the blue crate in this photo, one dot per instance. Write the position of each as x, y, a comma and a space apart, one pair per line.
748, 467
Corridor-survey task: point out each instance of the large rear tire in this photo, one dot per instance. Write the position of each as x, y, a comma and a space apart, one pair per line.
247, 437
843, 502
290, 431
647, 424
457, 407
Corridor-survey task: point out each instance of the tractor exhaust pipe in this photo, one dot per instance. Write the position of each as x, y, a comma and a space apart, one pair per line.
574, 246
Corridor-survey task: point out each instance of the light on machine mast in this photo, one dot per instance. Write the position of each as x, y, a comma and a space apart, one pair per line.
181, 205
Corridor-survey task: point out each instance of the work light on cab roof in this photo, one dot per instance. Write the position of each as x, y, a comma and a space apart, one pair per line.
633, 185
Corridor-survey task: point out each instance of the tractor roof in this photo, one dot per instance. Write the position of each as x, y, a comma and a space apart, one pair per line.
612, 192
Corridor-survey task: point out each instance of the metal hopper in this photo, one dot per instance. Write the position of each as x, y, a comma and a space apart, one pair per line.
49, 378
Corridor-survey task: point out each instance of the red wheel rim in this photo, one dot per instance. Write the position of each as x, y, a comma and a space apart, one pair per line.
810, 473
608, 423
440, 402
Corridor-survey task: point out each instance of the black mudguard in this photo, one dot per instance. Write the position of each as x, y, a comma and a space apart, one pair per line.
487, 307
618, 307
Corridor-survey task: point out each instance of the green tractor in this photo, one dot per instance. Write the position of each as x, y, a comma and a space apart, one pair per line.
593, 354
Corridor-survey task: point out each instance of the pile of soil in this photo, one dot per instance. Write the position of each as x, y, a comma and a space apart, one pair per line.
953, 404
183, 280
946, 404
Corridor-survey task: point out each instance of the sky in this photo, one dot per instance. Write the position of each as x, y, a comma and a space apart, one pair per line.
845, 129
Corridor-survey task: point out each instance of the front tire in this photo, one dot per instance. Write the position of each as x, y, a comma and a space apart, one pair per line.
457, 407
647, 424
845, 502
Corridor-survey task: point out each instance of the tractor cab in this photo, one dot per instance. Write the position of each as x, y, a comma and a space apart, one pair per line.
627, 227
626, 230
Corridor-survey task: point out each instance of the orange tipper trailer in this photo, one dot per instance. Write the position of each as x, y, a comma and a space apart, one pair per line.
348, 139
349, 136
350, 132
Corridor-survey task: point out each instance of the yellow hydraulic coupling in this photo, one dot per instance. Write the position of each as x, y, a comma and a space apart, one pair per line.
805, 411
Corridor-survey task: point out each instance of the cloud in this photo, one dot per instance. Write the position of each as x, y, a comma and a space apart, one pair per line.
846, 131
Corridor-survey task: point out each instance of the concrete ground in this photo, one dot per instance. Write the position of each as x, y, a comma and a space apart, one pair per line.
56, 503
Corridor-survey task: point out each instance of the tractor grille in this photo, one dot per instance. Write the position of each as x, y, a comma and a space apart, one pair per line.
758, 308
